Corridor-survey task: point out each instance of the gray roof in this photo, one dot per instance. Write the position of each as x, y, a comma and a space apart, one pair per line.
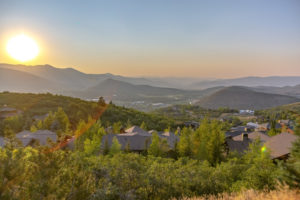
281, 144
7, 109
138, 139
233, 133
41, 135
171, 138
2, 141
238, 146
252, 136
136, 142
264, 125
40, 117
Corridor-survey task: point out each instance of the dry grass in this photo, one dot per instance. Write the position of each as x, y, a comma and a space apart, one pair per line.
284, 194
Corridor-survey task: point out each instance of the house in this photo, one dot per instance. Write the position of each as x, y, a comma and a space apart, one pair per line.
280, 145
40, 117
136, 130
40, 136
137, 139
287, 125
240, 143
252, 125
8, 112
171, 138
267, 126
237, 146
191, 124
134, 142
285, 122
253, 136
238, 130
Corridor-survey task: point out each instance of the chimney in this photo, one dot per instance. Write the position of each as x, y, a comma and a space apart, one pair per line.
245, 136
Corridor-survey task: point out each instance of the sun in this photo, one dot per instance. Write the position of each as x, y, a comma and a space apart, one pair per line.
22, 48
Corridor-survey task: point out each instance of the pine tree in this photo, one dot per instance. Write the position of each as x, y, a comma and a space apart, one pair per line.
297, 126
293, 166
115, 147
63, 120
101, 102
184, 144
154, 148
143, 126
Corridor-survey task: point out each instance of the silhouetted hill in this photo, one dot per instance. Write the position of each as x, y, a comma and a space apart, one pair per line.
73, 79
119, 90
275, 81
243, 98
18, 81
287, 90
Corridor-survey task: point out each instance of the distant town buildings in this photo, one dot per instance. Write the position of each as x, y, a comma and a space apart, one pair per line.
247, 112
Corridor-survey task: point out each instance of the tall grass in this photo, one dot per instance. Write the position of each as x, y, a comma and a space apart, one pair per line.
281, 194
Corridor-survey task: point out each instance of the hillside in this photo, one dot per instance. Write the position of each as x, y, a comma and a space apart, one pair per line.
243, 98
286, 111
77, 109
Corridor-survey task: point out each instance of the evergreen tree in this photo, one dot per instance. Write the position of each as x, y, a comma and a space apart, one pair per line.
115, 147
127, 148
293, 166
185, 144
33, 129
117, 127
155, 146
105, 147
63, 120
101, 102
297, 126
143, 126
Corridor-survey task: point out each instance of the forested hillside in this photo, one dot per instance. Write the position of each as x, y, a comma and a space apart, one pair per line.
35, 105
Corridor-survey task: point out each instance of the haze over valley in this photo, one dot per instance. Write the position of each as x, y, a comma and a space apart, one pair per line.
148, 93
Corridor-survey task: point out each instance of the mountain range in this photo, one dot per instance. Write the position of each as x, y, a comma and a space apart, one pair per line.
257, 92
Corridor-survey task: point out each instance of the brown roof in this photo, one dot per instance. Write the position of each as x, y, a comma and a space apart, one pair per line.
253, 135
281, 144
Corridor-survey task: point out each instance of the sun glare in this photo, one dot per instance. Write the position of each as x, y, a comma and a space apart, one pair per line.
22, 48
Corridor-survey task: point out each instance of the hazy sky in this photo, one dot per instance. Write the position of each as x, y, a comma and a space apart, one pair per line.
224, 38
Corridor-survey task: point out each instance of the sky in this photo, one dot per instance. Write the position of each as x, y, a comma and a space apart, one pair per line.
165, 38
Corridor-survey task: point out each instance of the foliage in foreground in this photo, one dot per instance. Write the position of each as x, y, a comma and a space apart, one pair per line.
28, 173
